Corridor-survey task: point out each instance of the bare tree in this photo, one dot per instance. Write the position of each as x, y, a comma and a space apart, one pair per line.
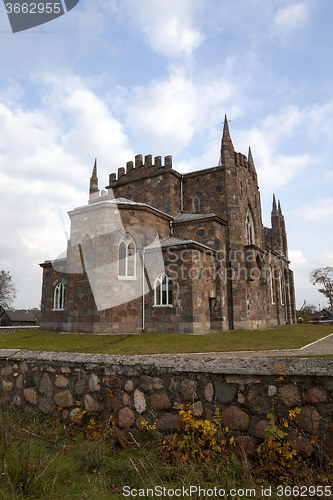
7, 289
308, 309
324, 276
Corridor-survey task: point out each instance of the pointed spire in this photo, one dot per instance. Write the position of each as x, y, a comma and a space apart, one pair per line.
94, 172
250, 158
227, 148
252, 168
279, 208
276, 237
226, 134
94, 180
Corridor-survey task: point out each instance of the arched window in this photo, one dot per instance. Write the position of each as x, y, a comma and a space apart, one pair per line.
249, 228
59, 297
198, 203
281, 287
271, 284
127, 257
163, 290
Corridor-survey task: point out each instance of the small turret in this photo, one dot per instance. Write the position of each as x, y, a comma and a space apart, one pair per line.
279, 208
252, 168
94, 180
276, 236
283, 232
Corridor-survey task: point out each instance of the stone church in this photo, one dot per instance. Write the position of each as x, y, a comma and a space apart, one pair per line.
160, 251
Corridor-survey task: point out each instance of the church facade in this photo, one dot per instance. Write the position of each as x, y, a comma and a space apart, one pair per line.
160, 251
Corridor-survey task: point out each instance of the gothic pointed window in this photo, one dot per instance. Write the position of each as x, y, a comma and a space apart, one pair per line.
281, 289
272, 285
127, 257
59, 297
163, 290
249, 229
198, 203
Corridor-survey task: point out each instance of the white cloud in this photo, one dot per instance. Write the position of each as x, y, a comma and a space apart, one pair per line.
42, 168
168, 26
292, 18
316, 211
172, 110
274, 169
296, 256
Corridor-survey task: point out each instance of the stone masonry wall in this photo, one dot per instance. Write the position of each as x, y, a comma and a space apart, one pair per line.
210, 184
130, 388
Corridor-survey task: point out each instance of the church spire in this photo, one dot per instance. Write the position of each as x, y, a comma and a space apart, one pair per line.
274, 208
94, 180
226, 139
227, 148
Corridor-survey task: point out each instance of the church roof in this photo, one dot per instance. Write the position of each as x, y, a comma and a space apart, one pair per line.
189, 217
93, 202
172, 241
20, 315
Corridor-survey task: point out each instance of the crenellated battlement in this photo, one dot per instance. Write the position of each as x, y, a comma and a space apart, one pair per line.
242, 161
139, 167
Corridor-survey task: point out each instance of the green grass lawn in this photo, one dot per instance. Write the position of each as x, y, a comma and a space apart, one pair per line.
281, 337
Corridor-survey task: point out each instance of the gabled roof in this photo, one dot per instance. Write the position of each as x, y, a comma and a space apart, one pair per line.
20, 315
103, 200
189, 217
172, 241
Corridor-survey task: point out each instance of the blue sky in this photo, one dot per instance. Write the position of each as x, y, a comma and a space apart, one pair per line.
114, 78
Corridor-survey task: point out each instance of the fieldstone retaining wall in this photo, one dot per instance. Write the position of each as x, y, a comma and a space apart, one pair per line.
130, 388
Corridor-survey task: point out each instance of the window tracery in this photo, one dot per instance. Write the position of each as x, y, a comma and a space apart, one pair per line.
198, 203
127, 257
59, 297
249, 229
163, 290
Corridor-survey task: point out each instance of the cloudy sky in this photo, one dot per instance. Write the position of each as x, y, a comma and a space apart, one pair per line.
114, 78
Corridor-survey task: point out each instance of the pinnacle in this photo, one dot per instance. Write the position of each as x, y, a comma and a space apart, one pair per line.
226, 133
274, 209
226, 143
94, 172
94, 179
250, 158
279, 208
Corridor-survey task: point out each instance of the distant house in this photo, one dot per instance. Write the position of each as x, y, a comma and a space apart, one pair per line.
325, 314
11, 317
